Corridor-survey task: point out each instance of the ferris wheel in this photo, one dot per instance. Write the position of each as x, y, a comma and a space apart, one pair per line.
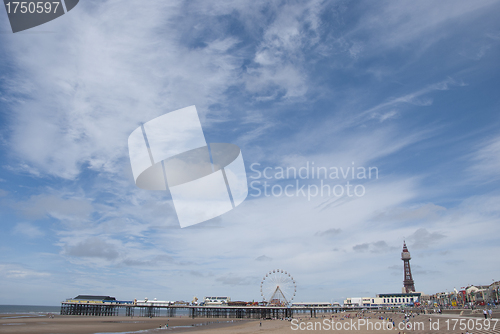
278, 287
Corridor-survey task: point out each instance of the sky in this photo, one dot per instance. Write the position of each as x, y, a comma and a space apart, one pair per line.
404, 89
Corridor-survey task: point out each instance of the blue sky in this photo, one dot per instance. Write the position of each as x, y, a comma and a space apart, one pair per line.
409, 88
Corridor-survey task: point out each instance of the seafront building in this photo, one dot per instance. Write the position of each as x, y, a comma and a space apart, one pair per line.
91, 299
385, 300
315, 304
468, 296
212, 301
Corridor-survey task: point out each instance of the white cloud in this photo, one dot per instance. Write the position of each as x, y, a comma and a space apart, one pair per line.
374, 247
277, 68
263, 258
414, 98
330, 232
396, 24
232, 279
93, 247
423, 238
16, 271
119, 70
73, 210
486, 161
28, 230
413, 213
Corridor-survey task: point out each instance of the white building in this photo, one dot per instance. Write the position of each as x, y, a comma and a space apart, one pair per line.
214, 301
314, 304
384, 300
153, 302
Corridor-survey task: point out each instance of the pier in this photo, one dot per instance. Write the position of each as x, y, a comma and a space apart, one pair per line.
194, 311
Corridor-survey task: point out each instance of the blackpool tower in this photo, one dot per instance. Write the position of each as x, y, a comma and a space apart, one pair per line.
409, 285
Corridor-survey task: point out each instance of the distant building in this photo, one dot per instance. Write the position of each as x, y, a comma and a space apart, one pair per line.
213, 301
316, 304
353, 302
91, 299
384, 300
154, 302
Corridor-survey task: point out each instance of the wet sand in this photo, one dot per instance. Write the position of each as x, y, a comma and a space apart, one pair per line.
31, 324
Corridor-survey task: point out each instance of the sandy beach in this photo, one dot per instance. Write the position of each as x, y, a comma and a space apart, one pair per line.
342, 323
31, 324
443, 323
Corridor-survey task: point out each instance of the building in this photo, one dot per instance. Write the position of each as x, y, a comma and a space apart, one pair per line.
353, 302
91, 299
214, 301
315, 304
384, 300
154, 302
398, 299
408, 284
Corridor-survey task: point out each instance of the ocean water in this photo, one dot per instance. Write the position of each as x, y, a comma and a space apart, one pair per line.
29, 309
43, 310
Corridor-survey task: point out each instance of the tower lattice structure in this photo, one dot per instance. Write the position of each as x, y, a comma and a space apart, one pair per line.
408, 283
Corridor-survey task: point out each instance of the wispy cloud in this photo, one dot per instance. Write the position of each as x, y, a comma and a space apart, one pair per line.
28, 230
263, 258
233, 279
397, 24
276, 69
17, 271
329, 232
418, 212
486, 161
49, 205
93, 247
422, 238
414, 98
374, 247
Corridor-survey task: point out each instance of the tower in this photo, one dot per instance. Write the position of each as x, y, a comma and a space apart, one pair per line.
408, 284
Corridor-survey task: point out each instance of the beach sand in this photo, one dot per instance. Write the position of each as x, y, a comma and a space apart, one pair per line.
91, 325
30, 324
438, 323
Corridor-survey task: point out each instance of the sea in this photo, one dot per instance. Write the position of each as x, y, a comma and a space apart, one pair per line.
32, 310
